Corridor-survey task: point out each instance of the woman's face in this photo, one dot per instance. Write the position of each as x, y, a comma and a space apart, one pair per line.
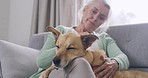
94, 15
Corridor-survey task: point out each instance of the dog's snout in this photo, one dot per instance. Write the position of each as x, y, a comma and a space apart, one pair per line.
56, 61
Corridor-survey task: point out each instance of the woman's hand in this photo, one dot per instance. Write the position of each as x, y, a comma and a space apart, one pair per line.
106, 70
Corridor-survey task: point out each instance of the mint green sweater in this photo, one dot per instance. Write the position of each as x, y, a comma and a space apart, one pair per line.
105, 42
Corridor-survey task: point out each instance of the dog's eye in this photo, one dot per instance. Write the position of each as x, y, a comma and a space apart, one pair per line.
57, 46
71, 48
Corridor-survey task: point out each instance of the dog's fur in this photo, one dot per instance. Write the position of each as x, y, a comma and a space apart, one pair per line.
70, 46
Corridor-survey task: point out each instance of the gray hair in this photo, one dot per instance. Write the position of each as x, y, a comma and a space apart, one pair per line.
105, 25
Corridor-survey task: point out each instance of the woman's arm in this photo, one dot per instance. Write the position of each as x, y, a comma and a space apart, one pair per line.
117, 59
114, 52
44, 59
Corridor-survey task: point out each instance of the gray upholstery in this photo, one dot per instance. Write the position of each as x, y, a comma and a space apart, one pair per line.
132, 40
37, 41
17, 61
20, 62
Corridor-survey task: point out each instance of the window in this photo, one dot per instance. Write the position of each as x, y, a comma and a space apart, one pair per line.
128, 11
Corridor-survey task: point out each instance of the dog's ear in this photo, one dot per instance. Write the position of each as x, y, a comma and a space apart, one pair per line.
55, 32
87, 40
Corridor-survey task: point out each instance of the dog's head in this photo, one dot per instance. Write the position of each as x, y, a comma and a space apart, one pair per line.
70, 46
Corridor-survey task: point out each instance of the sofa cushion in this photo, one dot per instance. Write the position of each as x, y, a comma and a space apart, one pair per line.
37, 41
17, 61
132, 40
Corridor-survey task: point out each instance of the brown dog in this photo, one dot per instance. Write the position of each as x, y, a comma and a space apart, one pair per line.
70, 46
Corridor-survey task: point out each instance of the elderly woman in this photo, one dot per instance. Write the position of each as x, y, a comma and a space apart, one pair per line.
95, 15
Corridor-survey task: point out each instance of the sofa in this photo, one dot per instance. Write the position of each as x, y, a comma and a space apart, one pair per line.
20, 62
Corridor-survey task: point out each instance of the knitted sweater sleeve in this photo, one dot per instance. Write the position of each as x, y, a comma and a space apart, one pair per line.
114, 52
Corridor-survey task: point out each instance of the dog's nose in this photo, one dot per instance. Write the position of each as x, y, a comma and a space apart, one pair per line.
56, 61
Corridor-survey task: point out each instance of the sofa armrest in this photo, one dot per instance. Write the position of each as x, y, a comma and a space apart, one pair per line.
17, 61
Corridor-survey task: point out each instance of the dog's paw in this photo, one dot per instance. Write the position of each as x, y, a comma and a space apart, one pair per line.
43, 75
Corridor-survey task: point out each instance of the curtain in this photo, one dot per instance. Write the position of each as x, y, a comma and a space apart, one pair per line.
39, 16
54, 13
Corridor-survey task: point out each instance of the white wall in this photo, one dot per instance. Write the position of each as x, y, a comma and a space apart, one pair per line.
15, 20
4, 19
20, 21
